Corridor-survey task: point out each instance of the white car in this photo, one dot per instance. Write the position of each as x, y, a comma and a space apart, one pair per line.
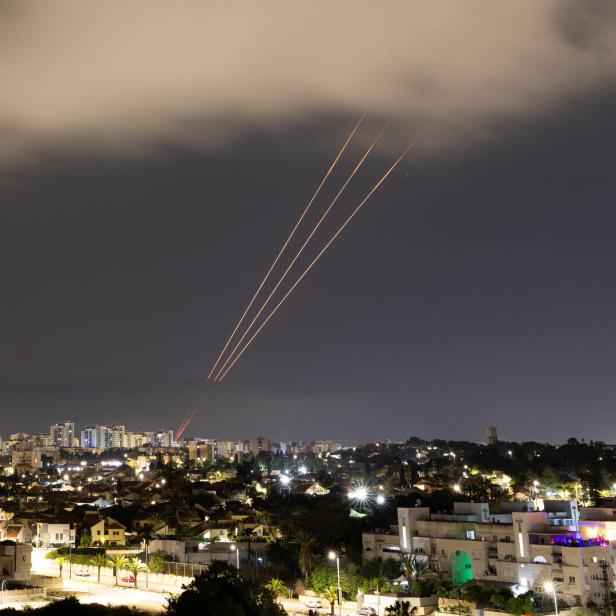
314, 604
366, 611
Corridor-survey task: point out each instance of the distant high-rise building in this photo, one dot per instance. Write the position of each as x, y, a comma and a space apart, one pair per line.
201, 452
62, 434
95, 437
492, 435
117, 437
259, 444
164, 438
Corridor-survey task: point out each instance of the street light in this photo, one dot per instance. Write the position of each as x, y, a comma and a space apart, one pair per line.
551, 589
235, 549
333, 556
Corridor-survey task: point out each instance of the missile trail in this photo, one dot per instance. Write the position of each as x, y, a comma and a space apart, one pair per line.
286, 243
183, 423
300, 251
320, 254
186, 423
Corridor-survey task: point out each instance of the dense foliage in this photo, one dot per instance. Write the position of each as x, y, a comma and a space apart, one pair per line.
72, 607
221, 590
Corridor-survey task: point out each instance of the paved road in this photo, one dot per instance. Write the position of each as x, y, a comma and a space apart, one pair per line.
91, 592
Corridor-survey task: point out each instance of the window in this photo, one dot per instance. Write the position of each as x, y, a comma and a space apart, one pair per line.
540, 559
571, 579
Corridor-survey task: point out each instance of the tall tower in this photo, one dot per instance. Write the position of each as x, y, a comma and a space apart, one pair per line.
492, 436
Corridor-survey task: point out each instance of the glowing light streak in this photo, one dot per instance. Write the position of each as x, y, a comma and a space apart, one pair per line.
319, 255
300, 251
286, 243
185, 425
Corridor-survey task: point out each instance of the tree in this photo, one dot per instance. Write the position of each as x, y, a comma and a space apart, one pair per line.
61, 561
222, 590
406, 563
156, 562
276, 586
135, 566
117, 563
413, 567
307, 543
330, 594
321, 577
99, 561
390, 568
401, 608
85, 541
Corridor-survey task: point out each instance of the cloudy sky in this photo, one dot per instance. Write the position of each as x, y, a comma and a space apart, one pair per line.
154, 155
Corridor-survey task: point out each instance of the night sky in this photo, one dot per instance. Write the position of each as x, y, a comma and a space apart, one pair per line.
477, 288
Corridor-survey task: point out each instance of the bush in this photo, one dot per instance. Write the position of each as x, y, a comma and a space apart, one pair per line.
72, 607
156, 562
78, 556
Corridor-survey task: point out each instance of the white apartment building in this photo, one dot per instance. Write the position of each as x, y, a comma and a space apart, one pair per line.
523, 548
54, 535
62, 434
103, 437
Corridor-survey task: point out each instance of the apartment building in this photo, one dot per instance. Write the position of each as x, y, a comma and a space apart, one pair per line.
201, 452
562, 544
62, 434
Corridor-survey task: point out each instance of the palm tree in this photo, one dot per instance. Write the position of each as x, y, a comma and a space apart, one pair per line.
401, 608
135, 566
61, 561
276, 586
330, 594
413, 567
406, 563
99, 561
307, 543
420, 567
117, 563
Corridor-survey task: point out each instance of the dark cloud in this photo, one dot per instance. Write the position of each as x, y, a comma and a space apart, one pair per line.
130, 78
587, 24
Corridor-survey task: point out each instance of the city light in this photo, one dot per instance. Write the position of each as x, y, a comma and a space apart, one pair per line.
360, 493
456, 487
285, 480
303, 470
380, 499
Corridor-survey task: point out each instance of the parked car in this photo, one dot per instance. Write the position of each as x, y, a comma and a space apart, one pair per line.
314, 604
129, 579
82, 573
366, 611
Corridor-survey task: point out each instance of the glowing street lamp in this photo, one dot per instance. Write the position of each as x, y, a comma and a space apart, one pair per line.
333, 556
285, 480
235, 549
456, 487
380, 499
550, 588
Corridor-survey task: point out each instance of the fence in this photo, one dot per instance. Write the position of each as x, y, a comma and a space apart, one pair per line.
22, 594
184, 569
